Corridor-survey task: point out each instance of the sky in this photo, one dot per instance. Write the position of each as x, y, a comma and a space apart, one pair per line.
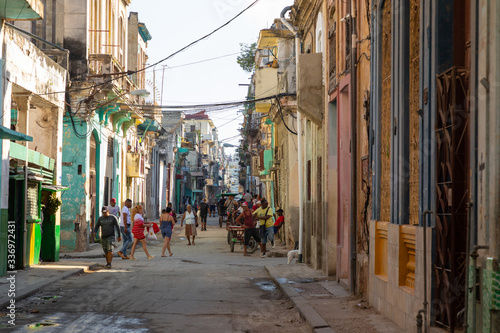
174, 24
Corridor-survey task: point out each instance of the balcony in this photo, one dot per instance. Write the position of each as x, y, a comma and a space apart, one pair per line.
135, 165
266, 84
102, 67
311, 101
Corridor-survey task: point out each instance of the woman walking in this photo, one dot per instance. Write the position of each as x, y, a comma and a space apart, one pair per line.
166, 225
191, 221
138, 231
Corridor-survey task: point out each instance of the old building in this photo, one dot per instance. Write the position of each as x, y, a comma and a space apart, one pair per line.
104, 156
32, 103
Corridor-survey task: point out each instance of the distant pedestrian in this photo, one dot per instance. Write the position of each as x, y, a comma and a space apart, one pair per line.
204, 211
173, 213
212, 202
265, 217
125, 228
250, 229
166, 225
138, 231
114, 209
191, 222
108, 224
248, 197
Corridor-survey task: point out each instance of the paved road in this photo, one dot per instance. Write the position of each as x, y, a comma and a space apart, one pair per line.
202, 288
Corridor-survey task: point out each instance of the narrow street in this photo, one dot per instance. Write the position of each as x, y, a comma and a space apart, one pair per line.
202, 288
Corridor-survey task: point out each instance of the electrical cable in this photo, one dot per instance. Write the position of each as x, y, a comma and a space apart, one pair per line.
187, 107
282, 118
164, 59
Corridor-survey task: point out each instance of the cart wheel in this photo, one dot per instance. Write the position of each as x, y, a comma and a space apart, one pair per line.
231, 244
229, 237
220, 221
252, 245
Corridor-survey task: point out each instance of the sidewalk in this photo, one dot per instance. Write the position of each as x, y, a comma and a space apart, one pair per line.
324, 304
29, 280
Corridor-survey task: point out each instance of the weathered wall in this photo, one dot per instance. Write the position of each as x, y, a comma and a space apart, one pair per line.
75, 208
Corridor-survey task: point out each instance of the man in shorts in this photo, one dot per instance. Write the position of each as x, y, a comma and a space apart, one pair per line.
265, 217
204, 211
212, 202
108, 224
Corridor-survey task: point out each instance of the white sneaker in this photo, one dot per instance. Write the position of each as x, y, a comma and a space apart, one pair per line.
272, 246
263, 255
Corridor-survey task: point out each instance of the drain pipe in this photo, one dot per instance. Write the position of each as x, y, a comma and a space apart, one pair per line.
474, 255
424, 310
299, 129
354, 146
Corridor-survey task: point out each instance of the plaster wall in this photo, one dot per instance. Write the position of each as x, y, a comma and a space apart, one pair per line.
386, 295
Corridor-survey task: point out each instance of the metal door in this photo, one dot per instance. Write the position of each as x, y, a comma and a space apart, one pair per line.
452, 195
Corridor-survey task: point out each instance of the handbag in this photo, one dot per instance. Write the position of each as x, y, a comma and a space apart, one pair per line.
151, 234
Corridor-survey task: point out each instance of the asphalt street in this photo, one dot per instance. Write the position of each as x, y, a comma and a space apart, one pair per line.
201, 288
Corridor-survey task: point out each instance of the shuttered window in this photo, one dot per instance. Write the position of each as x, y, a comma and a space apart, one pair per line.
33, 202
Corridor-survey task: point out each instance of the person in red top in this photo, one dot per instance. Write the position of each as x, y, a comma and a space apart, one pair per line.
279, 221
138, 231
278, 224
249, 225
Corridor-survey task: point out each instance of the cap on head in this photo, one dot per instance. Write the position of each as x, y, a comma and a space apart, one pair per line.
279, 210
244, 204
258, 202
113, 200
104, 209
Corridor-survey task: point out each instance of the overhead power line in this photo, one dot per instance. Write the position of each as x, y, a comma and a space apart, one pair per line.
162, 60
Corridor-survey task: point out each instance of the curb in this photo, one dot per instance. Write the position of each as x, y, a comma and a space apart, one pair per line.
313, 320
30, 290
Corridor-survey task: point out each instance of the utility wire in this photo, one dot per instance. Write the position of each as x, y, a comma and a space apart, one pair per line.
162, 60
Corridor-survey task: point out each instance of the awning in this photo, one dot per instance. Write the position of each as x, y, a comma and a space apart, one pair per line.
54, 188
8, 134
149, 125
197, 191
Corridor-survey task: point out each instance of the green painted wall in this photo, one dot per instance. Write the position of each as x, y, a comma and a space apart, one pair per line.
491, 295
50, 240
74, 200
3, 241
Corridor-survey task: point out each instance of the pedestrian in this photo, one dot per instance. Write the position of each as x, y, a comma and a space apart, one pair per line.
114, 209
125, 229
173, 213
249, 226
265, 217
248, 197
191, 223
212, 203
256, 206
108, 224
204, 211
138, 231
278, 224
166, 225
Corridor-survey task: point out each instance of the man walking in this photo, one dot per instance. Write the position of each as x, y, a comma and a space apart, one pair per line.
125, 229
204, 211
108, 224
248, 198
265, 217
212, 203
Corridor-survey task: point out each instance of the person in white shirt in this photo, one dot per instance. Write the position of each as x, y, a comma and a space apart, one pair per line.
125, 229
114, 209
